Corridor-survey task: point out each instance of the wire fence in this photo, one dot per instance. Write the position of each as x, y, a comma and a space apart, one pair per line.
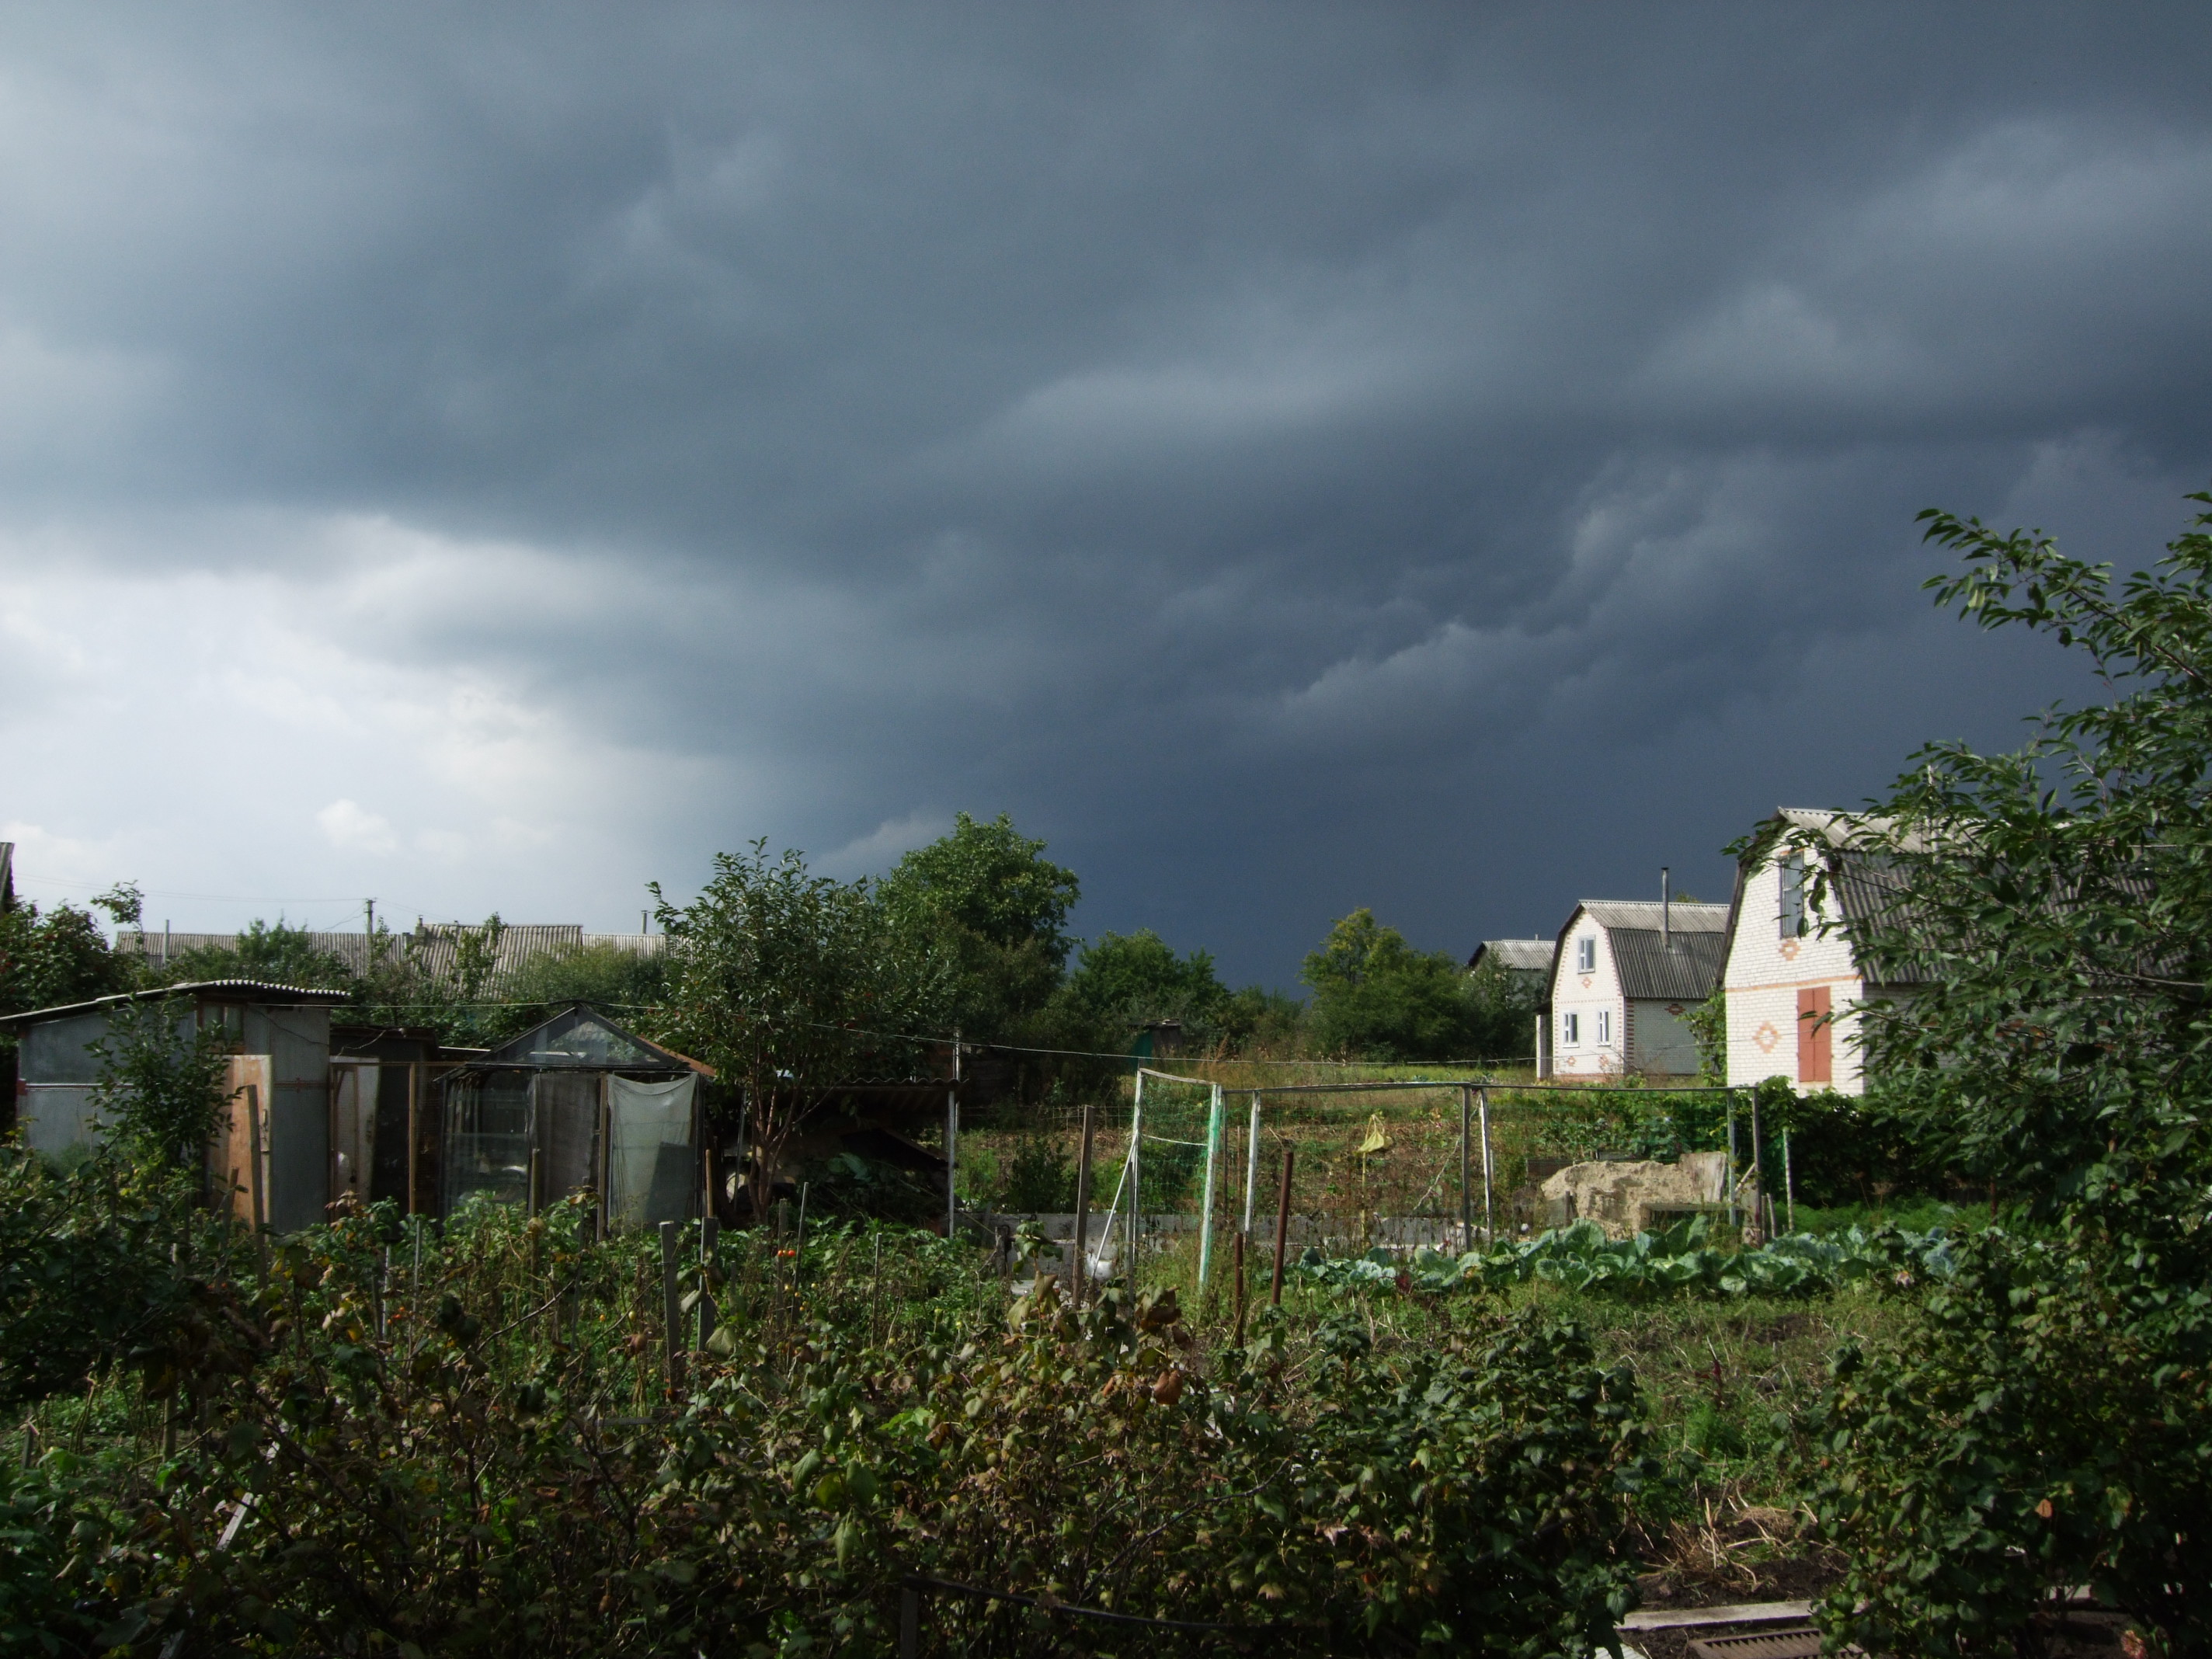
1445, 1163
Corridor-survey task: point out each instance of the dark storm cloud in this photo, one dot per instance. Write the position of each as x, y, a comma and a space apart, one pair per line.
1451, 460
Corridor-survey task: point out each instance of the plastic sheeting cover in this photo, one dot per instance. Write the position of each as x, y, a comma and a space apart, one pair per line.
650, 1174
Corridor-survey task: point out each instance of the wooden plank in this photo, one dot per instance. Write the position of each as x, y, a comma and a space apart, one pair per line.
1741, 1613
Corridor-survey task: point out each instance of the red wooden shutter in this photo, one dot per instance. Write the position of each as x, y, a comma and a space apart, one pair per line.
1813, 1051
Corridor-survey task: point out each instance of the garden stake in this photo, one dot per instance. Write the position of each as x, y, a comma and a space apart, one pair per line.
1239, 1250
670, 1305
1082, 1210
1466, 1210
1252, 1160
1789, 1182
1282, 1231
710, 1249
1489, 1203
1758, 1175
876, 1292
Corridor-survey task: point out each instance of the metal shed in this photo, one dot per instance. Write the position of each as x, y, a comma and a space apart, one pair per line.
278, 1080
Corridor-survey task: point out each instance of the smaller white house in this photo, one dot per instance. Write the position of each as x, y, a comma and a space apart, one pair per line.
1793, 980
1623, 974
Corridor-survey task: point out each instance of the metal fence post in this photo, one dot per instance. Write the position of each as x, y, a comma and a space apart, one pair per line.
1206, 1213
1136, 1174
1082, 1208
1252, 1160
1489, 1201
1466, 1210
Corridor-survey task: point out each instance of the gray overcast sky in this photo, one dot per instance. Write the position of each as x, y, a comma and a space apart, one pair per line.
1449, 460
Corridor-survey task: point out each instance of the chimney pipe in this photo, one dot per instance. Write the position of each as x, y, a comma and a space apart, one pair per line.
1665, 909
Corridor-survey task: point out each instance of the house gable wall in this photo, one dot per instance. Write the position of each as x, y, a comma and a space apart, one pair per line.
1587, 996
1765, 974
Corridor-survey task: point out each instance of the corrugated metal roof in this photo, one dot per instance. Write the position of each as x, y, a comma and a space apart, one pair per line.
237, 990
1686, 969
1684, 917
1532, 955
434, 947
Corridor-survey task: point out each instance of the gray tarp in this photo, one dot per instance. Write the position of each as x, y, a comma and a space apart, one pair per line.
651, 1172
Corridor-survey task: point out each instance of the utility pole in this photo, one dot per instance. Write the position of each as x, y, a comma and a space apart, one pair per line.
368, 940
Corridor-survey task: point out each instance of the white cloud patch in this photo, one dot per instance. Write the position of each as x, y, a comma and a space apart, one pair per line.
351, 829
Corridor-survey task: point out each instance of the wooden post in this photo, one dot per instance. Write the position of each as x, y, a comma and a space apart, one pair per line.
1082, 1208
710, 1255
256, 1197
706, 1176
1489, 1201
1282, 1231
1466, 1209
1239, 1253
1731, 1159
536, 1200
1758, 1175
672, 1307
909, 1623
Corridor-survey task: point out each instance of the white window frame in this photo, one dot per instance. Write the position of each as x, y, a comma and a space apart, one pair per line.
1794, 921
1586, 954
1604, 1025
1570, 1030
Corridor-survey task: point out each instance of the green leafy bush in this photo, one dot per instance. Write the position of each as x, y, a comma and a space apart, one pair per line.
107, 1264
478, 1452
2048, 1426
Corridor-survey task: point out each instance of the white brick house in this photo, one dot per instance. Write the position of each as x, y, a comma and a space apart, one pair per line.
1793, 979
1623, 974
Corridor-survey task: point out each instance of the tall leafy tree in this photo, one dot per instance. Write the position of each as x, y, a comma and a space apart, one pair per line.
2049, 1423
1123, 980
987, 898
1378, 997
60, 956
786, 983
